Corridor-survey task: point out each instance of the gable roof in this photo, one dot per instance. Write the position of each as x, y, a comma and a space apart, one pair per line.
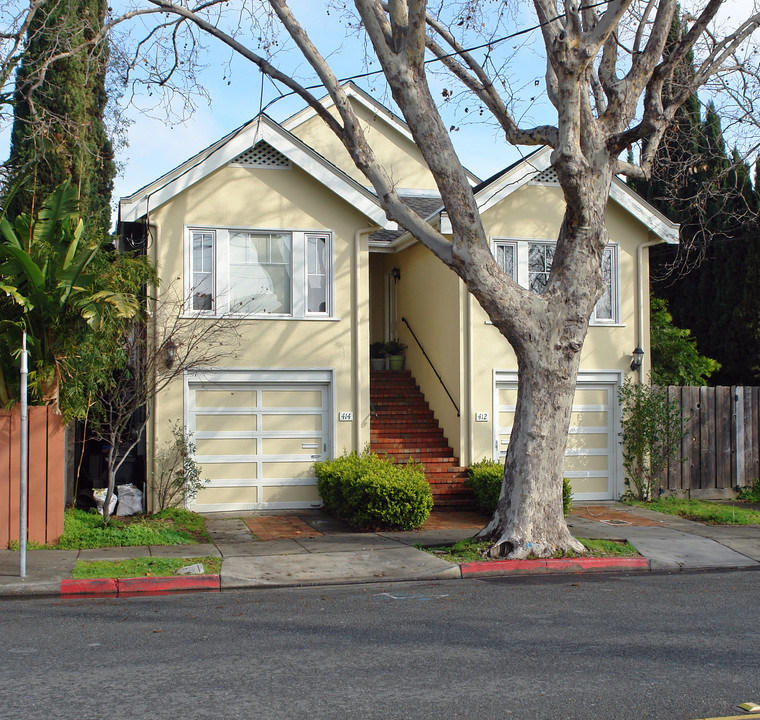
260, 129
372, 105
504, 183
499, 186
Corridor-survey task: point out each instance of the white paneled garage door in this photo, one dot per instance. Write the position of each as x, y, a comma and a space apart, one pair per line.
257, 441
591, 457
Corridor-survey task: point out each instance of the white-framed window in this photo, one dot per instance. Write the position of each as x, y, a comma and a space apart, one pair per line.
282, 273
506, 257
529, 262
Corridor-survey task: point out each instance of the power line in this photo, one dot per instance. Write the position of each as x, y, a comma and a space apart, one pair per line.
488, 44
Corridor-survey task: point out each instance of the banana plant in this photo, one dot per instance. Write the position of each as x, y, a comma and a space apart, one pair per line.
55, 285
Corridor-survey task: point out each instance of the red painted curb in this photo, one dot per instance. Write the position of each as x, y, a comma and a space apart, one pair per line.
155, 585
502, 567
103, 586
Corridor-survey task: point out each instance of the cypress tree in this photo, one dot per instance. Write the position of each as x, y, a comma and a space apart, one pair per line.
58, 129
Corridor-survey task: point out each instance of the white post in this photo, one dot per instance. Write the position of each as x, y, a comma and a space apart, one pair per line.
23, 463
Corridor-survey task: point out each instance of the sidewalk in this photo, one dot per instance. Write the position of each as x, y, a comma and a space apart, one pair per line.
310, 548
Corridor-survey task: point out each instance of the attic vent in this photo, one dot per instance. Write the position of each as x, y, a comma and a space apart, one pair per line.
547, 177
262, 155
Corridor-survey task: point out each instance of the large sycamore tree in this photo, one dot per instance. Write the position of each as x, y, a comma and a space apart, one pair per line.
608, 76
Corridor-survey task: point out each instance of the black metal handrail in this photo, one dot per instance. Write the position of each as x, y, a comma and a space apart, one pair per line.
430, 362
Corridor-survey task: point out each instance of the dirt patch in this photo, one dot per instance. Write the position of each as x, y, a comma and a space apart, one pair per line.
279, 527
455, 520
607, 516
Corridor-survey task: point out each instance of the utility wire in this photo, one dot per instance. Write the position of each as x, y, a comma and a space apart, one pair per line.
488, 44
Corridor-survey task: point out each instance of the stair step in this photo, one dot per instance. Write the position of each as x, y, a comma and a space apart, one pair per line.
403, 427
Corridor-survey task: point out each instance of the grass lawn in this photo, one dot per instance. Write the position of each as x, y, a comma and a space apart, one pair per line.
141, 567
713, 513
83, 530
470, 550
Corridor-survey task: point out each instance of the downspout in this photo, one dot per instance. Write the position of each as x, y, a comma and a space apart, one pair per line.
641, 341
469, 458
154, 229
358, 364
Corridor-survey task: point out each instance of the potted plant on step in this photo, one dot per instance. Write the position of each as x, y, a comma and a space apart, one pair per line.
395, 351
377, 355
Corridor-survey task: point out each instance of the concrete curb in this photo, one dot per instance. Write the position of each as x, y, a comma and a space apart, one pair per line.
554, 566
128, 587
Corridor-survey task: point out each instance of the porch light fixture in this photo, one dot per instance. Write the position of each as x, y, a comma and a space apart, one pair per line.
638, 358
170, 352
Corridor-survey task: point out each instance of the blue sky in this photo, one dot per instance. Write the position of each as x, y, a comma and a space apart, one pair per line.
157, 145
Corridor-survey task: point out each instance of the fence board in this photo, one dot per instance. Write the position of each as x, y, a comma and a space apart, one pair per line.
692, 464
37, 505
707, 428
56, 491
5, 478
724, 439
46, 475
755, 415
749, 446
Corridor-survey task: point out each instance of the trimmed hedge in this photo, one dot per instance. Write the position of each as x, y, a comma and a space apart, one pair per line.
485, 479
368, 491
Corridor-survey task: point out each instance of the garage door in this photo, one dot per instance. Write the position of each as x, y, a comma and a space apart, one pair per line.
591, 456
257, 442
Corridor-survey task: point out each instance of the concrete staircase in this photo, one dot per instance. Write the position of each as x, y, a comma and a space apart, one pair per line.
403, 426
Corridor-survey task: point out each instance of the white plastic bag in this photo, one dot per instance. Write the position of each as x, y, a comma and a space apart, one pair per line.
100, 495
130, 500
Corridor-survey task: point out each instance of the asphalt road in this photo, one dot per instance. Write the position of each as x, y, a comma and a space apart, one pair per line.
680, 646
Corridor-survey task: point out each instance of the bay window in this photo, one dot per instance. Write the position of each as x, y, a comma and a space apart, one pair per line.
260, 272
529, 262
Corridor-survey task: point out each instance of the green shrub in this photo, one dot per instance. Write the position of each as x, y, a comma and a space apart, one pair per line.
751, 493
652, 433
368, 491
485, 479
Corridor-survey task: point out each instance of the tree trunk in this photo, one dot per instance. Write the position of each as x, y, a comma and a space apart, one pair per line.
529, 517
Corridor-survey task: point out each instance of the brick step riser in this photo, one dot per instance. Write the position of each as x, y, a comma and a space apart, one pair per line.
403, 427
409, 436
402, 434
412, 419
431, 458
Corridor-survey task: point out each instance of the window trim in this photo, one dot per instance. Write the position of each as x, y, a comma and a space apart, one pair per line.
522, 274
298, 267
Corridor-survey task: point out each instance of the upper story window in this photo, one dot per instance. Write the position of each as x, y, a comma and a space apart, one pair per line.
529, 263
260, 272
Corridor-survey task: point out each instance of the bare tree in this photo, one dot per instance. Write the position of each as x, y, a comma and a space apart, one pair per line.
154, 354
608, 67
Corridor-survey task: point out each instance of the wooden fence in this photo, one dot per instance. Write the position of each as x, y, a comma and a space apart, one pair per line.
722, 442
46, 475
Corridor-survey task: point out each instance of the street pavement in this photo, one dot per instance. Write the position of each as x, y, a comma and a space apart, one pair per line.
308, 548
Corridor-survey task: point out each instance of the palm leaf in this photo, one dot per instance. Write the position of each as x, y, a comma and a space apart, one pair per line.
16, 296
31, 270
9, 233
58, 208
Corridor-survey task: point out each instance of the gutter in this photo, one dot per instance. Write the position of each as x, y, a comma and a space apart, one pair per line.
643, 297
358, 364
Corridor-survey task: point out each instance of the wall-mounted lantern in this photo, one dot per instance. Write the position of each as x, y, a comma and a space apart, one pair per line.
638, 358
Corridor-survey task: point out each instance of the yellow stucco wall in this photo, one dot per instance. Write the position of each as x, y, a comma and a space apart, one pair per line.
277, 199
428, 296
399, 155
607, 348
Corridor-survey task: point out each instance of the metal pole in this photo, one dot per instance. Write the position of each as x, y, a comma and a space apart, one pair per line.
23, 463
